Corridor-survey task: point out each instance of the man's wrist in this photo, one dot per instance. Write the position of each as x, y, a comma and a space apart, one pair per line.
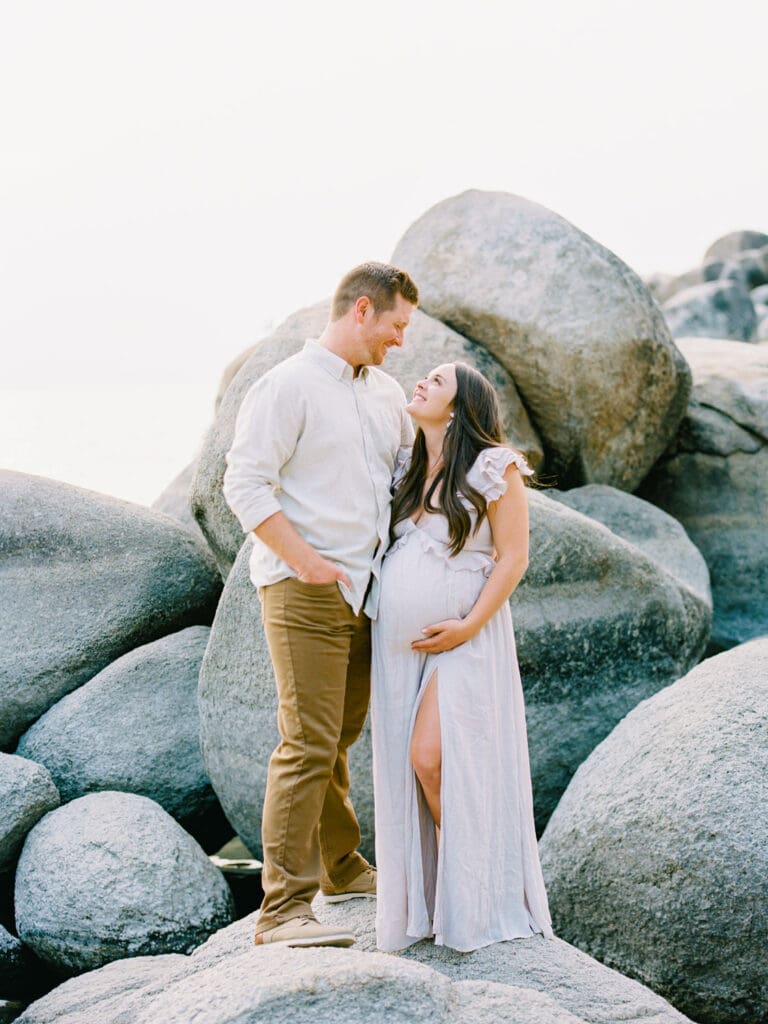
308, 563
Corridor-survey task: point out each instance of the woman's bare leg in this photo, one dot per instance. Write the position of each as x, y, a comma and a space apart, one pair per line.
426, 748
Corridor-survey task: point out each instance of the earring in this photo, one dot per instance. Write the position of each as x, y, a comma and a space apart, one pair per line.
450, 420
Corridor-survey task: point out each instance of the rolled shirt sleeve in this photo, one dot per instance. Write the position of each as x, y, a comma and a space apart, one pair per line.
316, 442
269, 424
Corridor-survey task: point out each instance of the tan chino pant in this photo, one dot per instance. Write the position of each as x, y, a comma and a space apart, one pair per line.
321, 654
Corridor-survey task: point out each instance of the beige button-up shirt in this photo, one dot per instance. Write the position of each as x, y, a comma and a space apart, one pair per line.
319, 444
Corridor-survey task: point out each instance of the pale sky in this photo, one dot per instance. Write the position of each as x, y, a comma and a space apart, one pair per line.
177, 176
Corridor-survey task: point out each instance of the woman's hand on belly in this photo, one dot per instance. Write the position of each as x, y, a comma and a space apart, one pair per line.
442, 636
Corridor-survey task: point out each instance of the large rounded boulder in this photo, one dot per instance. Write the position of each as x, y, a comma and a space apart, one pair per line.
112, 875
427, 344
714, 480
27, 792
659, 536
534, 981
578, 330
600, 625
134, 727
657, 855
579, 984
84, 578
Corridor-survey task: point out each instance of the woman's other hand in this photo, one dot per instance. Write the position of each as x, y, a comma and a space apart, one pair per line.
442, 636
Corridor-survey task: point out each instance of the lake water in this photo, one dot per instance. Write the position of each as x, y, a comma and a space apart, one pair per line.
128, 442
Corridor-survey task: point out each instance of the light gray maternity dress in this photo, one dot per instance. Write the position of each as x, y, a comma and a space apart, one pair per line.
484, 884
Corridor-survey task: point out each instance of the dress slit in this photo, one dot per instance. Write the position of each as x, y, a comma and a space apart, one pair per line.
422, 897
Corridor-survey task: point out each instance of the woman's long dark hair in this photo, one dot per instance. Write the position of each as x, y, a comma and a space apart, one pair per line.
476, 425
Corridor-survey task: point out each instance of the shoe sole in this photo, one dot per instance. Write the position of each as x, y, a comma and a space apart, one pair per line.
344, 896
341, 939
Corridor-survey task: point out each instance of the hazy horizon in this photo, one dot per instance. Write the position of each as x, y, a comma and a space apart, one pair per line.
174, 181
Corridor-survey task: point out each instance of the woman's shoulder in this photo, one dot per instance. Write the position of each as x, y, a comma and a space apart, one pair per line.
488, 469
501, 457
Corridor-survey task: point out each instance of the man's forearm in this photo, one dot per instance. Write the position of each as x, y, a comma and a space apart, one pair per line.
279, 534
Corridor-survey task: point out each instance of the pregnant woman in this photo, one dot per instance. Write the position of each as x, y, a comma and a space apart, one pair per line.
455, 842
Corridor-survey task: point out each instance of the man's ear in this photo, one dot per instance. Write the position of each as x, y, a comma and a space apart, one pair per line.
362, 306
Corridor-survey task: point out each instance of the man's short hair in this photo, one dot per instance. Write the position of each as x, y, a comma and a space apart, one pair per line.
381, 282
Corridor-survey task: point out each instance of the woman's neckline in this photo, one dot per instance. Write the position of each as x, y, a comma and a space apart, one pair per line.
429, 479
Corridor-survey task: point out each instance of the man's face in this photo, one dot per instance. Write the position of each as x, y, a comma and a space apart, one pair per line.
383, 330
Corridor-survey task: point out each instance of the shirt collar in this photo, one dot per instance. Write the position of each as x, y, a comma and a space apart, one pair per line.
335, 365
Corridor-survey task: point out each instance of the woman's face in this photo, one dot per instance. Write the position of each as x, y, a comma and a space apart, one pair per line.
433, 397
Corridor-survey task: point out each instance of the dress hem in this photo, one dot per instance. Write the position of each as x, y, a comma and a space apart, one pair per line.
469, 949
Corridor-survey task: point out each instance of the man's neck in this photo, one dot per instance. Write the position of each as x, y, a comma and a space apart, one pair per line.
335, 342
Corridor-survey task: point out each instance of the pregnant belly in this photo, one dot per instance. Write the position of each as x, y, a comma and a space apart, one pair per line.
419, 589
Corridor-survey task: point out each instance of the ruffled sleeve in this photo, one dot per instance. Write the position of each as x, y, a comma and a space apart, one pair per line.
402, 462
487, 473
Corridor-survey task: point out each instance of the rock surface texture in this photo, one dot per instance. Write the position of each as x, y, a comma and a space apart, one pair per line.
85, 578
227, 981
714, 480
428, 343
135, 728
10, 1010
659, 536
111, 875
722, 297
749, 269
664, 286
718, 309
578, 331
27, 792
174, 502
656, 857
599, 625
21, 974
734, 243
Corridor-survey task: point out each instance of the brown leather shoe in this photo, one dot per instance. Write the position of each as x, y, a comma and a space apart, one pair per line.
304, 931
362, 887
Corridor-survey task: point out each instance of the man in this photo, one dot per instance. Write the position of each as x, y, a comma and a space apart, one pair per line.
309, 473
